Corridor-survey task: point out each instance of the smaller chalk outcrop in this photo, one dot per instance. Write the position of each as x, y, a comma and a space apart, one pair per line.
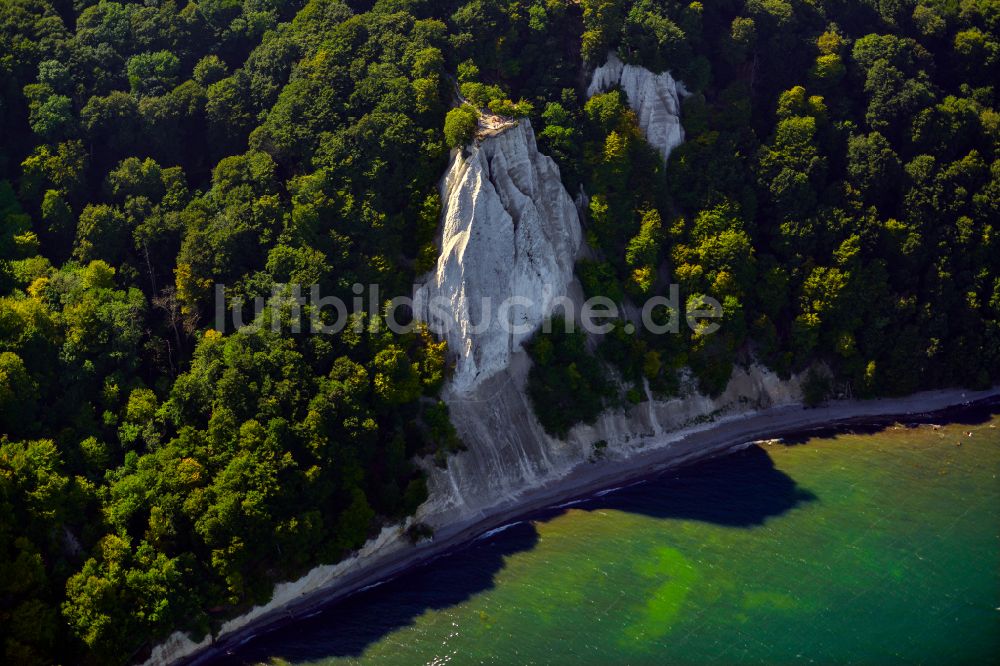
655, 98
509, 237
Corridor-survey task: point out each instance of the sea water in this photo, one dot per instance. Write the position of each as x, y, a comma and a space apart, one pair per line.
873, 548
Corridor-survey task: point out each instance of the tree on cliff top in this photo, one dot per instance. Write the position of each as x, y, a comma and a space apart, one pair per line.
460, 126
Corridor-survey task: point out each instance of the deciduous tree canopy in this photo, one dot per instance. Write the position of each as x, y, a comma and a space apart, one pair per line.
838, 194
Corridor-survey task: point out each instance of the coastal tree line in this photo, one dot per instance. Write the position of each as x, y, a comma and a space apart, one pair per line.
837, 192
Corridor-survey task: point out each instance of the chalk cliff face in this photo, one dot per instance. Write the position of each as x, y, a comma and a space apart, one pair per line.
509, 232
509, 228
655, 98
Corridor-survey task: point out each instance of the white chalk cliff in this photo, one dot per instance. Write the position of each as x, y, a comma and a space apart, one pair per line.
509, 232
510, 229
655, 98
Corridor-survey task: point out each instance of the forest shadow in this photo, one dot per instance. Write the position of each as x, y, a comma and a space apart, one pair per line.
976, 414
740, 490
347, 627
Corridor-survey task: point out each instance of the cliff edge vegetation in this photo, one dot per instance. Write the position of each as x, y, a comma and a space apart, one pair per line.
837, 191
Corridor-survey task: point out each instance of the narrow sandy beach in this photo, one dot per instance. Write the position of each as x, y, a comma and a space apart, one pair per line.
674, 449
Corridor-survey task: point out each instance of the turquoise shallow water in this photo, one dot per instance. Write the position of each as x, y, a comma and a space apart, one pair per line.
855, 548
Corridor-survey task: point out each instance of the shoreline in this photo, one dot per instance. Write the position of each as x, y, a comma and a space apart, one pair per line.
678, 448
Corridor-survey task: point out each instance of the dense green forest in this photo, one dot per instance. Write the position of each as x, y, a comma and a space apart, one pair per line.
838, 192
